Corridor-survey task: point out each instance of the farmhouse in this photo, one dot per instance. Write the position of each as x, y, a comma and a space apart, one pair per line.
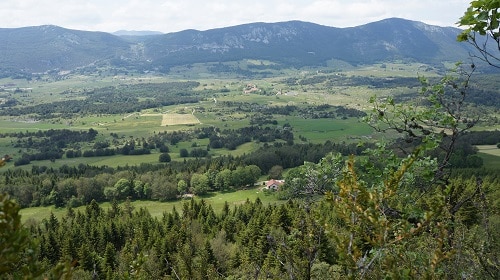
274, 185
250, 88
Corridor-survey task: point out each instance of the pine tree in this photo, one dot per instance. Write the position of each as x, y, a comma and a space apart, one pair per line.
52, 248
68, 248
86, 258
109, 260
17, 257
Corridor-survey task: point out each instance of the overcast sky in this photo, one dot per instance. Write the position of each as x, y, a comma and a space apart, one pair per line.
176, 15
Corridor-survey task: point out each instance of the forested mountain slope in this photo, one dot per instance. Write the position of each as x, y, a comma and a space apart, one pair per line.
293, 43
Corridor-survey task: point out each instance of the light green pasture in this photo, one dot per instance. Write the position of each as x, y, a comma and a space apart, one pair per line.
321, 130
489, 149
490, 155
156, 208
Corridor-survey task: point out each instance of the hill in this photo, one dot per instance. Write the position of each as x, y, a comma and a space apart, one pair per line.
301, 43
293, 43
136, 33
48, 47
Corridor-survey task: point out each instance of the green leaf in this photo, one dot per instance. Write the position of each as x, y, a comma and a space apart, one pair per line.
477, 4
483, 16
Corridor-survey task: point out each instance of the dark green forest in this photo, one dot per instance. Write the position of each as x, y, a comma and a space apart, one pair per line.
295, 239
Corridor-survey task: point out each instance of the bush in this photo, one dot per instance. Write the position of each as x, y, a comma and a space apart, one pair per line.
164, 149
165, 157
198, 153
22, 161
183, 153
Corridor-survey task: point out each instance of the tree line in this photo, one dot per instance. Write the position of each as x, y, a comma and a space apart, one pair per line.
78, 185
113, 100
308, 112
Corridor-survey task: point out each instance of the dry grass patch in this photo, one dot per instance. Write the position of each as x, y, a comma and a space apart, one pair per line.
489, 149
176, 119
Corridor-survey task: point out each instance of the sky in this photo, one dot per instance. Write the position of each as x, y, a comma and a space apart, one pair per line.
177, 15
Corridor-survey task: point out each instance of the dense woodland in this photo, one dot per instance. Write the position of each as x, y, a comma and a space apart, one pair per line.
80, 184
296, 239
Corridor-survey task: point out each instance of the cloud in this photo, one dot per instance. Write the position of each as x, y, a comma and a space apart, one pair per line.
175, 15
340, 13
33, 12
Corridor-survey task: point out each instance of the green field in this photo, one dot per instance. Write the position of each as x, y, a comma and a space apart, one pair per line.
321, 130
490, 155
216, 200
489, 149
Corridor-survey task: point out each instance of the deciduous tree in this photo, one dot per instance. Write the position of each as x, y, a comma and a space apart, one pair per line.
482, 18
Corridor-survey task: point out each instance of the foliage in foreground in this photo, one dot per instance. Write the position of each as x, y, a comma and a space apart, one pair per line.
482, 18
363, 232
405, 216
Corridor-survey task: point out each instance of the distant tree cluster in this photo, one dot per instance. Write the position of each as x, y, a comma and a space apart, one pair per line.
79, 184
232, 138
50, 143
288, 156
114, 100
47, 138
262, 114
339, 79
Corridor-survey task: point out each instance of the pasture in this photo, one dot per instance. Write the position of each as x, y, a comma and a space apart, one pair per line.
490, 155
156, 208
321, 130
178, 119
489, 149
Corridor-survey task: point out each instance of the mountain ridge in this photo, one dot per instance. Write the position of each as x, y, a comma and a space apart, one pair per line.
136, 33
292, 43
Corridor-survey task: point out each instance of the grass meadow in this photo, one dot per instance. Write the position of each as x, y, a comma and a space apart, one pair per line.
490, 155
156, 208
321, 130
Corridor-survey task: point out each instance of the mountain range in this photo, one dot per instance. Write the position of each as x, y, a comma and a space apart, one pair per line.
292, 43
